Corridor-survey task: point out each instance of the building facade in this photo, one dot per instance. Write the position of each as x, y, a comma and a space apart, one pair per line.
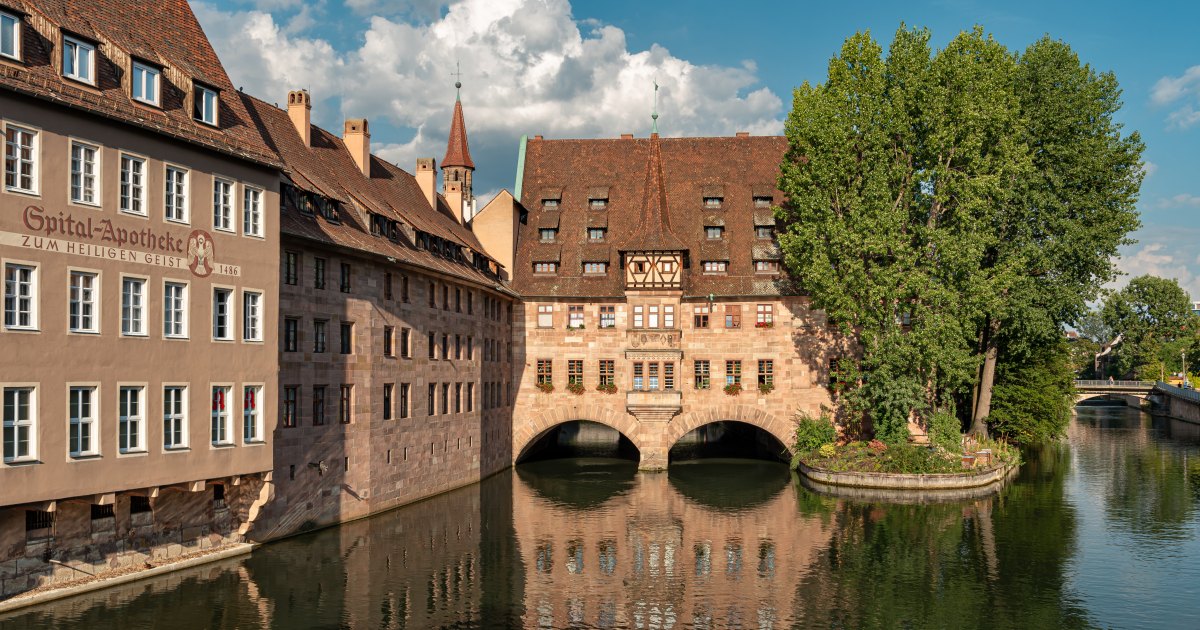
139, 231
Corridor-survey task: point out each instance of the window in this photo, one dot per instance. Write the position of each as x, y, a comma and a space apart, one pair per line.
291, 264
176, 202
766, 373
597, 204
318, 273
595, 234
608, 372
19, 424
608, 316
733, 316
319, 335
652, 316
20, 304
667, 266
652, 374
344, 402
714, 232
445, 398
432, 346
205, 105
445, 297
445, 347
406, 343
470, 302
458, 347
545, 372
82, 410
174, 310
545, 267
291, 398
405, 390
133, 310
668, 316
575, 372
712, 202
291, 334
458, 397
20, 159
639, 317
79, 60
133, 185
82, 314
221, 314
669, 376
714, 266
387, 285
733, 372
470, 398
174, 417
252, 429
764, 231
252, 199
388, 334
318, 413
700, 316
145, 83
764, 317
833, 371
550, 204
429, 404
10, 36
457, 300
766, 266
639, 376
404, 288
345, 278
595, 267
547, 234
347, 338
761, 201
222, 433
84, 170
575, 316
545, 316
470, 348
432, 295
251, 316
388, 390
702, 372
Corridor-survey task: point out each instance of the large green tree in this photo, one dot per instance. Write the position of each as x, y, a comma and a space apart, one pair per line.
1152, 314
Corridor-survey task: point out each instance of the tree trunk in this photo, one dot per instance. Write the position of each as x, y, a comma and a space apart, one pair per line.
984, 407
978, 374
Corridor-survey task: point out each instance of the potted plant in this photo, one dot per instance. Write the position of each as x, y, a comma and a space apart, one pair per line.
575, 388
733, 389
764, 324
766, 388
546, 387
607, 388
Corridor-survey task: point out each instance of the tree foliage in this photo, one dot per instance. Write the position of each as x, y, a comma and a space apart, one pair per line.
1035, 394
1154, 315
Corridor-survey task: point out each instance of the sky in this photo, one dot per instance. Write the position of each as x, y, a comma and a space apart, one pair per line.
587, 68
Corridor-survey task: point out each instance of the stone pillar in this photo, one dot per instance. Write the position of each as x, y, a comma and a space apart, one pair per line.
654, 458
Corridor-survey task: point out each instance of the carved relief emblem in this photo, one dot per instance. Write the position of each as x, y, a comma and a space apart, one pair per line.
200, 253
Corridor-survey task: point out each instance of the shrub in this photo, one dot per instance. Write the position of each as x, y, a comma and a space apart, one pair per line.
945, 430
812, 433
827, 450
607, 388
733, 389
546, 387
766, 388
575, 388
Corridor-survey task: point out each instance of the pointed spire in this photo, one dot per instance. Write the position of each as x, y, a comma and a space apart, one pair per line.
653, 232
457, 151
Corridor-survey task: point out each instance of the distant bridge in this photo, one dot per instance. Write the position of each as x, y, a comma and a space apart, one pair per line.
1088, 389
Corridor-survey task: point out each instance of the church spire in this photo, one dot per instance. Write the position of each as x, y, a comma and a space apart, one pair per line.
653, 232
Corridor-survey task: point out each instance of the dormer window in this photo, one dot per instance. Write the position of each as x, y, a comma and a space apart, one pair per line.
764, 231
205, 105
762, 201
715, 266
595, 234
545, 267
146, 83
547, 235
595, 267
712, 202
10, 36
597, 204
766, 266
549, 204
714, 232
379, 225
79, 60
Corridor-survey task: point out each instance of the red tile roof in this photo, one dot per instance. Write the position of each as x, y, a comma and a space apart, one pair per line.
737, 169
653, 231
327, 168
457, 151
165, 33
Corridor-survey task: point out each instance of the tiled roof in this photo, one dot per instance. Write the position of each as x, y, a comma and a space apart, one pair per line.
163, 33
457, 151
736, 169
653, 231
327, 168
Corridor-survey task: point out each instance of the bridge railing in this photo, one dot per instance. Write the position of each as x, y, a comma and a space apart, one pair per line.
1178, 392
1104, 383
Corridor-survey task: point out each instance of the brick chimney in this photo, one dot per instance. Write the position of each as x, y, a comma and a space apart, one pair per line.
300, 111
357, 137
427, 180
454, 199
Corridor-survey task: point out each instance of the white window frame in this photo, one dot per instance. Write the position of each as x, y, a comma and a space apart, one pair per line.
252, 316
150, 82
545, 311
86, 298
252, 211
10, 21
175, 194
32, 298
252, 416
71, 49
205, 113
175, 421
134, 314
228, 315
33, 163
81, 422
131, 427
221, 429
13, 425
224, 193
169, 323
84, 173
132, 185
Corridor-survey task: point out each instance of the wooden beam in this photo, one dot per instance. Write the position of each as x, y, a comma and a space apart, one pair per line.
108, 498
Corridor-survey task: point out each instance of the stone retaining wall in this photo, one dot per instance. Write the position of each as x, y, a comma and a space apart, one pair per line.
906, 482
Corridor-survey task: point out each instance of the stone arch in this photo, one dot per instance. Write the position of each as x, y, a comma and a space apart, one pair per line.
526, 432
783, 429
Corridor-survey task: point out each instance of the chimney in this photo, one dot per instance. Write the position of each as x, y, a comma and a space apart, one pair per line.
454, 199
357, 137
742, 134
300, 111
627, 136
427, 180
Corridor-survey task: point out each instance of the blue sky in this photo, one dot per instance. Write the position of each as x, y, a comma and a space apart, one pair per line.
585, 69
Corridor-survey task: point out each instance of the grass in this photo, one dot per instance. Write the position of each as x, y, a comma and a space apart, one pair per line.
897, 459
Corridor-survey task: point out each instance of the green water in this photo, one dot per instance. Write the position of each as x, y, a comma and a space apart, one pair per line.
1101, 531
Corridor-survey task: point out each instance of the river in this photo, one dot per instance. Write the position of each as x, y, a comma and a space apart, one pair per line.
1100, 531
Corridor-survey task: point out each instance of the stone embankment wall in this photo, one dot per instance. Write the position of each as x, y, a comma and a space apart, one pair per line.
1183, 404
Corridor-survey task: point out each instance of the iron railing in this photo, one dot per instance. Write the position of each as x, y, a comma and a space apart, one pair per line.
1105, 383
1178, 392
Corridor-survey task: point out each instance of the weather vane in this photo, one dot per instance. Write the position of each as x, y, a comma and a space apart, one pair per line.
654, 114
457, 80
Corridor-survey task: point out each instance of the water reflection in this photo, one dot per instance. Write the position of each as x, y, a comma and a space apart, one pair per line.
1101, 531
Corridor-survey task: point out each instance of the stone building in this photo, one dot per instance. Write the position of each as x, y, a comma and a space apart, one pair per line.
652, 295
138, 241
394, 326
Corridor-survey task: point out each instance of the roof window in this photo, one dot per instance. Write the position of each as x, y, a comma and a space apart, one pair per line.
205, 105
762, 201
712, 202
146, 82
10, 36
79, 60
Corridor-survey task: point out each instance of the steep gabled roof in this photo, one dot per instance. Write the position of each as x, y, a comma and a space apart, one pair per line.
457, 151
653, 231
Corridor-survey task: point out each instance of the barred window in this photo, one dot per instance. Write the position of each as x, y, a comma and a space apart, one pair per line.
608, 372
608, 317
575, 316
575, 372
639, 376
766, 372
668, 376
545, 371
701, 368
733, 372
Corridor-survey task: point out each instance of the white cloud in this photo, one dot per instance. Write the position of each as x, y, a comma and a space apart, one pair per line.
1182, 200
1149, 168
1170, 90
528, 66
1162, 259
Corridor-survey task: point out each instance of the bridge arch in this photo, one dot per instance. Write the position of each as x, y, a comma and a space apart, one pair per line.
527, 433
781, 429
